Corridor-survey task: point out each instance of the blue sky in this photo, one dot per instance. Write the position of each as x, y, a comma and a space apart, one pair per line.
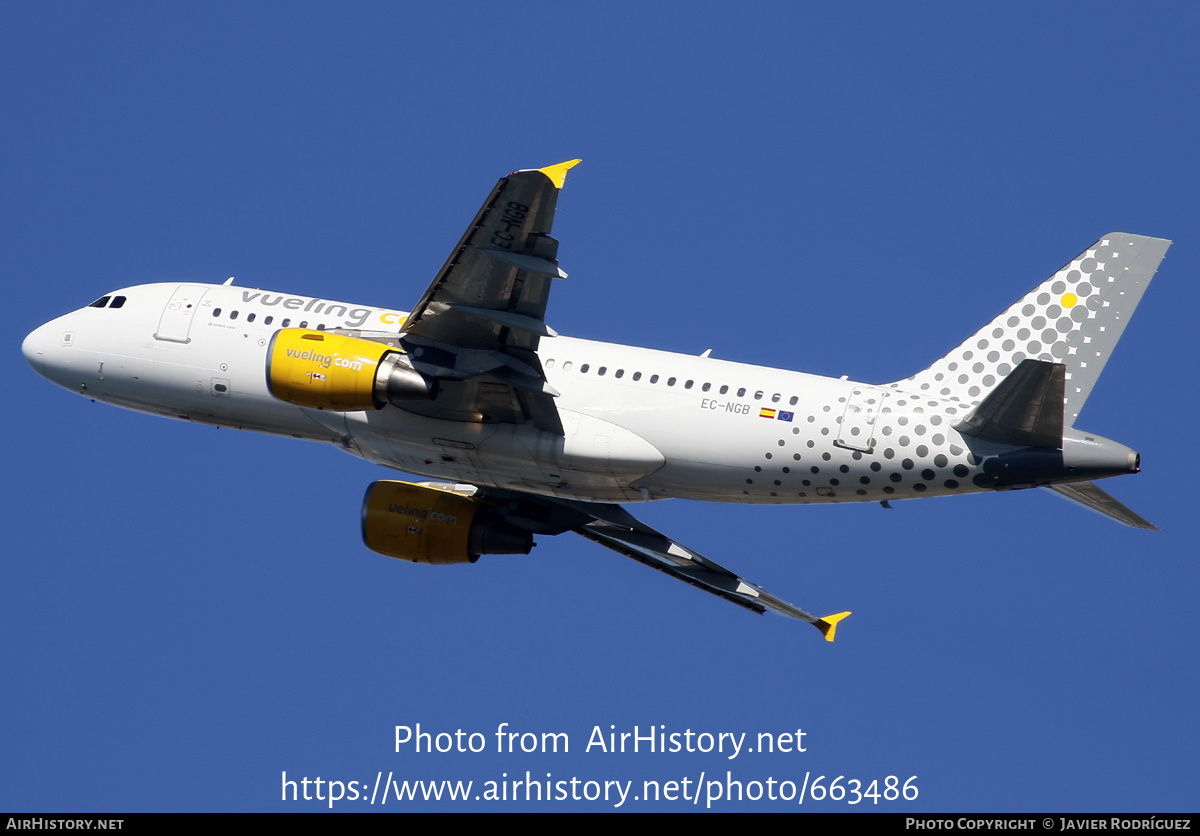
189, 612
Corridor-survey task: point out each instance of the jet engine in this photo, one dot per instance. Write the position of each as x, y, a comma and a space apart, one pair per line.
431, 525
329, 371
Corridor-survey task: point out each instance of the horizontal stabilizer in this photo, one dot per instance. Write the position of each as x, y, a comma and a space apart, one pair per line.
1025, 409
1094, 499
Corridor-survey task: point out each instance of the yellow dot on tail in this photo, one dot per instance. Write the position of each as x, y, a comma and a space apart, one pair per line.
1069, 300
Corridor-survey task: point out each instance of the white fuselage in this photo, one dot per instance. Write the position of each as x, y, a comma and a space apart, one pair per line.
639, 424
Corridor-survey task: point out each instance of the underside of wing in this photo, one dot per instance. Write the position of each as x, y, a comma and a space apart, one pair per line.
615, 528
477, 327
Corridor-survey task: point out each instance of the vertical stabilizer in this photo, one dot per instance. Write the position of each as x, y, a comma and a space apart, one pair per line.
1075, 318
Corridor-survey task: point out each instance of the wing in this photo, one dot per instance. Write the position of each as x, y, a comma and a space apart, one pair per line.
615, 528
618, 530
476, 329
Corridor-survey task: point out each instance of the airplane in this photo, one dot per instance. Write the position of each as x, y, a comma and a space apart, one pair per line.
522, 432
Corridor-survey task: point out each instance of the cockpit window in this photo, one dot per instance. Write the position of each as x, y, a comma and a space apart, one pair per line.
103, 302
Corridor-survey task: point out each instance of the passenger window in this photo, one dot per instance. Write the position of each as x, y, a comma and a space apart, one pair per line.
583, 369
706, 387
742, 392
321, 327
775, 398
620, 373
654, 378
600, 371
688, 385
268, 320
758, 395
793, 400
671, 381
567, 366
216, 312
724, 389
550, 364
285, 323
233, 314
249, 317
637, 375
117, 302
304, 324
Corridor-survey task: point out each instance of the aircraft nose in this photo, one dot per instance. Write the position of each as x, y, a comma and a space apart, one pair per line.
33, 347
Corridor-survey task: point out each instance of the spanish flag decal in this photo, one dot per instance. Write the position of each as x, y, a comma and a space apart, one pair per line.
766, 413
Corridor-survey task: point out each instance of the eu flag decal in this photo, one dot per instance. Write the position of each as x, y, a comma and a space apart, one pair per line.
786, 416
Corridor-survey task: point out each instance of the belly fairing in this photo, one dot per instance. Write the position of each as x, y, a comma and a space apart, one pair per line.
594, 460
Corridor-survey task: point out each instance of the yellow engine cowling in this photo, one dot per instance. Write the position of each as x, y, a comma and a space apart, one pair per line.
429, 525
324, 371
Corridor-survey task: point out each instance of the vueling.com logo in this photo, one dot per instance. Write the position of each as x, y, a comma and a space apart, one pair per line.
421, 514
325, 360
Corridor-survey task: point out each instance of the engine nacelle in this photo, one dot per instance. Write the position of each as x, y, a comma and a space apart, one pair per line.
428, 525
329, 371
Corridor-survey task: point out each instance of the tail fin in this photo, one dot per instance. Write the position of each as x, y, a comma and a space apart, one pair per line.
1075, 317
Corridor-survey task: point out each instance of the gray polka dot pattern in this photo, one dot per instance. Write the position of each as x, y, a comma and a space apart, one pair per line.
853, 442
1075, 318
903, 448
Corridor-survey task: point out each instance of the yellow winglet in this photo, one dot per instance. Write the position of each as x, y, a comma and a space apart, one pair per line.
558, 173
828, 625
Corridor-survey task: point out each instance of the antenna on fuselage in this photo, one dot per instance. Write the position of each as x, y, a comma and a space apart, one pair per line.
227, 282
707, 352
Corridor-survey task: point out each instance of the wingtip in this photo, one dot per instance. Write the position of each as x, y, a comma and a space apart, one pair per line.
558, 173
828, 625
